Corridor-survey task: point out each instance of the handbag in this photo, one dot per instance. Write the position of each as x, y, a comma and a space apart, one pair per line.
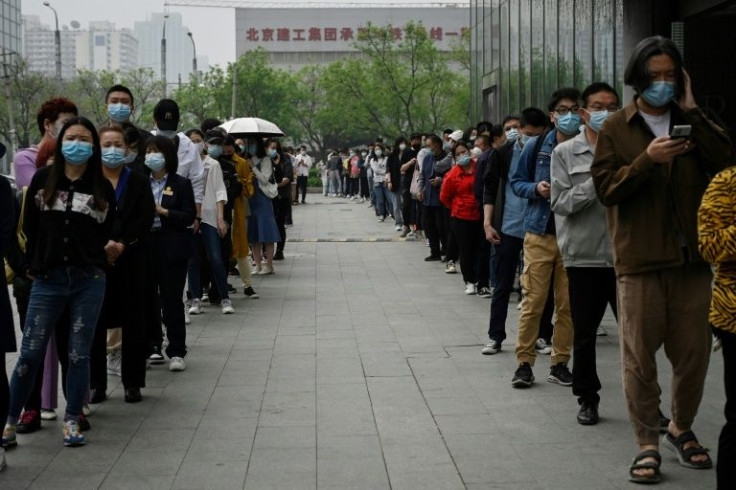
269, 190
414, 186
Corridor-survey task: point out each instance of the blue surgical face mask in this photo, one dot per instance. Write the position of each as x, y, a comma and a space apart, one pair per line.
463, 160
379, 153
569, 124
131, 157
155, 161
214, 151
272, 153
118, 112
446, 145
113, 157
512, 134
76, 152
659, 94
252, 148
364, 154
524, 138
242, 148
597, 118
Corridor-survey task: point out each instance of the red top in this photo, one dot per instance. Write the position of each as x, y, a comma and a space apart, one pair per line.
457, 193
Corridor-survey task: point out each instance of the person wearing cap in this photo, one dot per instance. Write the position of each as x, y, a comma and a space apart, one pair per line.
453, 250
166, 120
213, 227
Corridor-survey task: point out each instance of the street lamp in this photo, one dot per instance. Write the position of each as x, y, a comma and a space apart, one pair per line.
194, 57
163, 55
57, 39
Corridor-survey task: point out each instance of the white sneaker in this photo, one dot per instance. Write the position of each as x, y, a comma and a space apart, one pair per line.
114, 360
227, 307
470, 288
265, 271
205, 297
601, 332
542, 347
196, 308
451, 269
48, 414
187, 318
411, 235
491, 348
177, 364
399, 227
85, 409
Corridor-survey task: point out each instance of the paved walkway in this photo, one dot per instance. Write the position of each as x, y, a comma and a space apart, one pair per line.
360, 368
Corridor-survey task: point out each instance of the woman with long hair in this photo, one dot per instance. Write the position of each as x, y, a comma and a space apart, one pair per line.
68, 222
262, 230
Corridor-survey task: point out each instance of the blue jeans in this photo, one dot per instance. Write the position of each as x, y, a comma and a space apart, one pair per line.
383, 199
82, 290
213, 249
396, 206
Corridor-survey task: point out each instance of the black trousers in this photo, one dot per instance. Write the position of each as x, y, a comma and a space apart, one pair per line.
301, 186
280, 209
353, 186
452, 251
407, 203
505, 264
470, 235
365, 191
726, 470
484, 260
170, 278
434, 225
592, 289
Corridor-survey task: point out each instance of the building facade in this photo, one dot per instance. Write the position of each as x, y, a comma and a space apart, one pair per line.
178, 46
295, 37
522, 50
10, 27
102, 47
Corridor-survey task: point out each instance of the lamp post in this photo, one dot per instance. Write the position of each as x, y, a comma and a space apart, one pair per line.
163, 56
194, 57
57, 41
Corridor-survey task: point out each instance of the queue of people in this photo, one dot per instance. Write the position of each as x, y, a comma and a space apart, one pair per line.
114, 239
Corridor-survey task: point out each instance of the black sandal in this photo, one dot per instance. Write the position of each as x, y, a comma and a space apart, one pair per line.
677, 444
655, 477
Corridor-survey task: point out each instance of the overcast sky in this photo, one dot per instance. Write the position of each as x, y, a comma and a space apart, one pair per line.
213, 28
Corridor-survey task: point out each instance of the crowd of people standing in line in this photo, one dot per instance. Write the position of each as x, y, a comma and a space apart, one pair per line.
114, 239
599, 206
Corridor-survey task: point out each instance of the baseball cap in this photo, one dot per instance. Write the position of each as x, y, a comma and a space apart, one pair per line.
456, 135
166, 114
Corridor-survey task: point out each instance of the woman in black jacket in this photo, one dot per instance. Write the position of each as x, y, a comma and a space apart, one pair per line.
127, 275
170, 247
7, 334
67, 221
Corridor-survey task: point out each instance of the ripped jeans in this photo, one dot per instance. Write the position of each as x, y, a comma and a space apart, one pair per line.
79, 290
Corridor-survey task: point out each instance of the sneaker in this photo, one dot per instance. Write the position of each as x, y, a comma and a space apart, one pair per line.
205, 297
279, 255
29, 422
196, 308
492, 347
177, 364
432, 258
404, 231
48, 414
601, 332
469, 288
231, 289
84, 423
227, 307
72, 434
523, 377
249, 292
485, 292
156, 357
114, 360
255, 271
450, 267
426, 242
9, 439
560, 374
543, 347
411, 235
399, 228
381, 220
265, 271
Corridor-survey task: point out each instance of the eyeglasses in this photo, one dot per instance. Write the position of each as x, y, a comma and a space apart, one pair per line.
597, 108
562, 110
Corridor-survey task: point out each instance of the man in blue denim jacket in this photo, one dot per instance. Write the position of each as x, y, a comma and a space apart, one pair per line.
542, 258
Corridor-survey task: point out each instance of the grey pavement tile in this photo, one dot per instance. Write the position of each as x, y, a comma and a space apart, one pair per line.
340, 370
210, 475
294, 384
337, 468
280, 468
134, 481
285, 437
456, 406
281, 409
384, 364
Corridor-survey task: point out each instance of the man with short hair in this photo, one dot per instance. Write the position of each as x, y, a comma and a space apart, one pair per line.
334, 164
542, 259
583, 241
503, 219
120, 108
483, 149
303, 164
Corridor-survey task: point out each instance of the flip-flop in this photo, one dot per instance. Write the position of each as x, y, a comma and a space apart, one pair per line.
684, 456
655, 477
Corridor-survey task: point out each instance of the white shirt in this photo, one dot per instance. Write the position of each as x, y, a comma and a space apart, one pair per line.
378, 165
190, 165
301, 170
660, 125
214, 191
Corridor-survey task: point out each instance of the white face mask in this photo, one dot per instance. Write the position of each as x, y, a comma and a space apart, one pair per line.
200, 147
476, 152
402, 147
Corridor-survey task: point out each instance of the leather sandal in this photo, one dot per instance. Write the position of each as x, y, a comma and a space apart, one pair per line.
655, 477
685, 456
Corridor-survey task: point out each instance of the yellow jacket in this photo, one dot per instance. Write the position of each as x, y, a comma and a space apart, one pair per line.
717, 240
241, 209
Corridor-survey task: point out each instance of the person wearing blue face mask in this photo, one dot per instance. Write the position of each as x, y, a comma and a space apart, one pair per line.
127, 273
652, 185
68, 222
583, 241
542, 259
120, 108
170, 248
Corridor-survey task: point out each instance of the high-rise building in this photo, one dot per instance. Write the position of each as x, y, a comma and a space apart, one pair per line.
178, 46
102, 47
39, 48
10, 26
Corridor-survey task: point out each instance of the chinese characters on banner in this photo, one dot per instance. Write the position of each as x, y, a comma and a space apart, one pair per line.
333, 34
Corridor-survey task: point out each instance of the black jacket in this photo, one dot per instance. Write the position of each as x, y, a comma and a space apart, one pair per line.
178, 199
7, 234
494, 181
134, 212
